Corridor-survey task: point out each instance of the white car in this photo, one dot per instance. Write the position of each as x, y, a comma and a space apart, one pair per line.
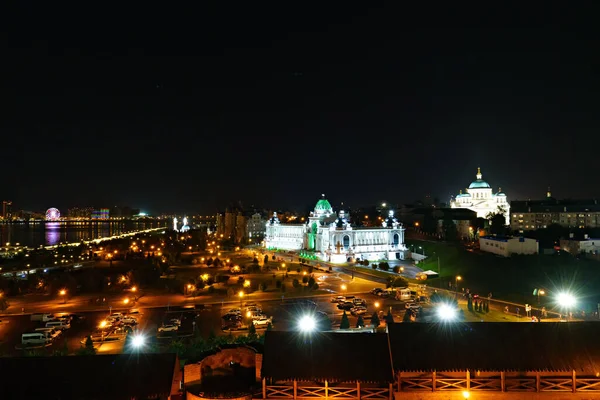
262, 320
412, 306
234, 311
358, 310
116, 315
168, 328
253, 309
129, 320
338, 299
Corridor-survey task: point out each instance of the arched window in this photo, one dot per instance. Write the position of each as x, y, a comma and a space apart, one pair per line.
346, 242
396, 239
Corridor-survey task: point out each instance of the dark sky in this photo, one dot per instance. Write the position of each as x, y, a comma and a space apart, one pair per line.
188, 109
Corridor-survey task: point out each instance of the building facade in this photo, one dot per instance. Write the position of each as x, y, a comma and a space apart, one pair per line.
507, 246
539, 214
332, 238
255, 228
480, 198
7, 209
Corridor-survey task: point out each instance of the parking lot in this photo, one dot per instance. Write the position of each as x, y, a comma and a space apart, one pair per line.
283, 314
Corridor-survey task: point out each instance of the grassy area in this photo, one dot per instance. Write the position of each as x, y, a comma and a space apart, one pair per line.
514, 278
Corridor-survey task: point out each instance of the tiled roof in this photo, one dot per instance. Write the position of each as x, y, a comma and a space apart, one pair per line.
327, 355
496, 346
117, 377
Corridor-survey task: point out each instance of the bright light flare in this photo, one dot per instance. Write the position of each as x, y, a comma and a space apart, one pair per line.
138, 341
566, 300
446, 312
307, 323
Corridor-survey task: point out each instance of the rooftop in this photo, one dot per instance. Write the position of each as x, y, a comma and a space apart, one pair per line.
501, 346
122, 376
327, 355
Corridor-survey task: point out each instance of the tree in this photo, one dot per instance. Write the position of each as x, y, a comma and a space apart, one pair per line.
88, 349
384, 266
360, 323
396, 269
469, 304
296, 283
311, 282
345, 323
397, 281
389, 318
251, 329
375, 320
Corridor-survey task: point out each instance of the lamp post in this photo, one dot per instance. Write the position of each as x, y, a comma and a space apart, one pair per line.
540, 292
63, 294
456, 280
423, 249
241, 296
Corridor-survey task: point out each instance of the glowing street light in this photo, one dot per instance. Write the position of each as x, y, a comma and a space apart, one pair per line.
126, 301
377, 304
138, 341
241, 296
63, 294
566, 300
466, 394
446, 312
344, 287
103, 324
307, 323
134, 289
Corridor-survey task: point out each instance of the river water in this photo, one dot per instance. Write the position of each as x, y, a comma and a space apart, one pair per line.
53, 233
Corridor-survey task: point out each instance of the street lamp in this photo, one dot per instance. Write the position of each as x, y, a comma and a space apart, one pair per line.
422, 248
446, 312
241, 296
126, 301
540, 292
456, 280
377, 304
567, 301
63, 293
344, 287
307, 323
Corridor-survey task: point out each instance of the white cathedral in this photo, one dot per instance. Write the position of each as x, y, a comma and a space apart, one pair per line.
479, 198
332, 238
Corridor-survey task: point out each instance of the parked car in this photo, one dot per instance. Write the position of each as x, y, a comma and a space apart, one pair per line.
358, 310
338, 299
52, 332
232, 317
168, 328
235, 311
175, 321
359, 302
377, 290
262, 320
347, 305
253, 309
383, 293
412, 306
129, 320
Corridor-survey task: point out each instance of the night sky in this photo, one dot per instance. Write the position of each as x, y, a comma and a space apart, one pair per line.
192, 109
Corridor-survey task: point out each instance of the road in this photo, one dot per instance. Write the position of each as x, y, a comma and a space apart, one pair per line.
207, 320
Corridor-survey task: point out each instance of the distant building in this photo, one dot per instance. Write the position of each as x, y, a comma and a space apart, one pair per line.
80, 212
7, 209
538, 214
479, 198
101, 214
240, 231
256, 227
507, 246
586, 246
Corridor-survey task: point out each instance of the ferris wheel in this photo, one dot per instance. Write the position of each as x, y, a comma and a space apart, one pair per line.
52, 214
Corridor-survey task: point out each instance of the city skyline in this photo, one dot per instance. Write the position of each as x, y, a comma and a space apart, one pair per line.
270, 106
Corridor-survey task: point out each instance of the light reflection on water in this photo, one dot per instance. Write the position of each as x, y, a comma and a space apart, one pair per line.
52, 233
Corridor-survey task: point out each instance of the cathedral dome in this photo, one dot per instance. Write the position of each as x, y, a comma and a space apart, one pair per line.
323, 206
479, 183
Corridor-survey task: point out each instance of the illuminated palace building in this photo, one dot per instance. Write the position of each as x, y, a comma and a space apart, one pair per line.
332, 238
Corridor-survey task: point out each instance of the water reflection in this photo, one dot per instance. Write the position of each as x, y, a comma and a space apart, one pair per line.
52, 233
